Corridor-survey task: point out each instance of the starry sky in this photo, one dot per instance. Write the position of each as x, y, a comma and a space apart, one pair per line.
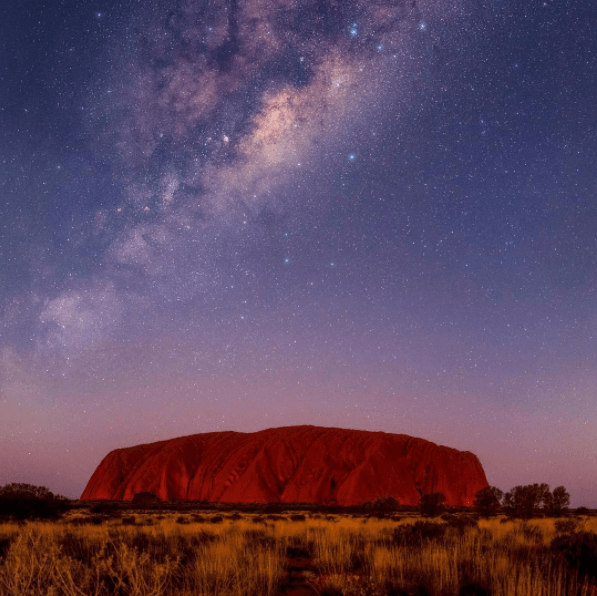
241, 214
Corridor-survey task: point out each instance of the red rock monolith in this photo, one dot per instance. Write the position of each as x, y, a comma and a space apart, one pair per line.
306, 464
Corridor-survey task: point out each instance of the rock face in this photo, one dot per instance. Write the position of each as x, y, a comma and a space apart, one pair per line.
306, 464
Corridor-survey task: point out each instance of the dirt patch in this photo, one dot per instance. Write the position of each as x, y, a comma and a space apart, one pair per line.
299, 572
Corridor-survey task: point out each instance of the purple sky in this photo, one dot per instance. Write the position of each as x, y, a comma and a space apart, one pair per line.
240, 215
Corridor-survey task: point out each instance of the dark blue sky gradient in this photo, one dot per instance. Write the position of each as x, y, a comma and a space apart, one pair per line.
233, 216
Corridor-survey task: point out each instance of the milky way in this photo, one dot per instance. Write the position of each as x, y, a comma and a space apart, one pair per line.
210, 115
234, 215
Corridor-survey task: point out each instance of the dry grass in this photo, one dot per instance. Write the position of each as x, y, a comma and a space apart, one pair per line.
245, 556
159, 559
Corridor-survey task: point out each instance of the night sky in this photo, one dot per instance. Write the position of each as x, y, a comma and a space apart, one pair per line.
242, 214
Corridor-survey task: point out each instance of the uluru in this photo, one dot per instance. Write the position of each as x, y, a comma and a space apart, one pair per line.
294, 464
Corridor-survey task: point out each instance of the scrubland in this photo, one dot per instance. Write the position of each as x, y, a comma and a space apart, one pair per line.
207, 554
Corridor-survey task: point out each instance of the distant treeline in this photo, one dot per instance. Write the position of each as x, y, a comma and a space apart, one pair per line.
24, 501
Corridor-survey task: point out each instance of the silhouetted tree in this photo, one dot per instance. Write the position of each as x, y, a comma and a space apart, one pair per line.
40, 492
385, 505
24, 501
560, 501
488, 500
431, 504
523, 501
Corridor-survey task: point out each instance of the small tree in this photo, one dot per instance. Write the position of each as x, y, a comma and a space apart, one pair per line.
523, 501
25, 501
383, 505
488, 500
560, 501
431, 504
21, 488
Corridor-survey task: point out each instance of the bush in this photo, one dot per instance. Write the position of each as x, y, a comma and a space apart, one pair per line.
566, 526
431, 504
26, 502
4, 546
146, 500
383, 505
532, 533
579, 550
110, 508
418, 533
461, 522
273, 508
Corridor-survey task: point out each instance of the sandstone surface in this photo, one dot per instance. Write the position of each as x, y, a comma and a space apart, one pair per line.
306, 464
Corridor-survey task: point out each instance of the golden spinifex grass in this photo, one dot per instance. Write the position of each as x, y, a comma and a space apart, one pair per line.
503, 559
354, 557
162, 559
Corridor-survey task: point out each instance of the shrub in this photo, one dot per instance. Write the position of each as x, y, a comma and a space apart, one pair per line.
146, 521
261, 539
40, 492
26, 502
272, 508
579, 550
431, 504
383, 505
111, 508
418, 533
582, 511
532, 533
4, 546
566, 526
461, 522
146, 500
